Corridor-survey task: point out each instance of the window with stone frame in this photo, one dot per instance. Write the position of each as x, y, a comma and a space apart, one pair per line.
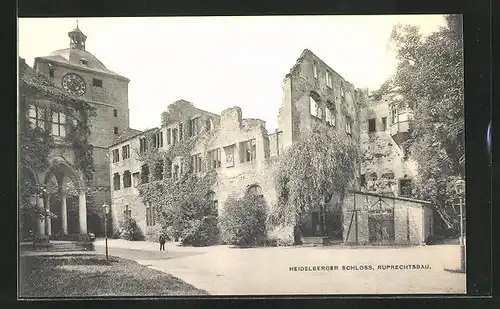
174, 136
37, 117
405, 187
158, 140
330, 114
169, 136
214, 158
175, 174
394, 113
213, 202
371, 125
136, 179
315, 69
168, 168
125, 152
229, 154
313, 107
127, 212
348, 125
362, 180
194, 126
181, 131
143, 144
150, 215
329, 80
127, 179
116, 181
116, 155
196, 163
58, 124
247, 151
158, 170
145, 173
384, 123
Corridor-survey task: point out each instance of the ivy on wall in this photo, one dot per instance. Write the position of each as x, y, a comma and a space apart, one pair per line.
36, 144
177, 199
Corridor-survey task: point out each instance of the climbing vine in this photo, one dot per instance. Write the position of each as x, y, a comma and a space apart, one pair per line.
180, 201
322, 163
36, 143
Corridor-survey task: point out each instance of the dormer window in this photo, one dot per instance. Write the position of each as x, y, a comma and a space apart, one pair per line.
84, 61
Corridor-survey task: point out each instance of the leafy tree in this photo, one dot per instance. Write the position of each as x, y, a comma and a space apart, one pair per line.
429, 79
316, 167
243, 221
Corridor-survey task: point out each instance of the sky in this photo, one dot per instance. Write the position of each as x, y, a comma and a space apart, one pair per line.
221, 62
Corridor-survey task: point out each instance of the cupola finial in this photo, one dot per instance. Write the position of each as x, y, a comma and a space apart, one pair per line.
77, 38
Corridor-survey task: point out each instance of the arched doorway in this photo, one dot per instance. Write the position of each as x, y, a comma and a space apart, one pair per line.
64, 200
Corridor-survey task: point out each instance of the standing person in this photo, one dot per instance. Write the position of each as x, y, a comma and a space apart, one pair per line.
162, 242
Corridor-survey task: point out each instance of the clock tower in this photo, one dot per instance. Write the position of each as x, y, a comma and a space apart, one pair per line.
80, 73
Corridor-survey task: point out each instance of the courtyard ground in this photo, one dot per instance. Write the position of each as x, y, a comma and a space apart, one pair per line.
86, 274
222, 270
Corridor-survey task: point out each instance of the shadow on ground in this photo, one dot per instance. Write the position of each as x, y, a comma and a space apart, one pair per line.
135, 254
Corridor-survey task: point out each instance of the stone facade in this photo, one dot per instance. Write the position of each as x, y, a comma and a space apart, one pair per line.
313, 94
384, 164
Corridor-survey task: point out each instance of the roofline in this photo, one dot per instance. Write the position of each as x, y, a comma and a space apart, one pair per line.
393, 197
115, 75
128, 138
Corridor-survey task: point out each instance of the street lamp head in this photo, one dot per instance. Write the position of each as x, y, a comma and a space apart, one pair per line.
106, 208
459, 186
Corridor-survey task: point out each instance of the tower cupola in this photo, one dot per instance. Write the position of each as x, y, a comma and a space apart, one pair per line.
77, 38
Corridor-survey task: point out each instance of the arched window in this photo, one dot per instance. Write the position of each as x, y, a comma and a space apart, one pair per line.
254, 190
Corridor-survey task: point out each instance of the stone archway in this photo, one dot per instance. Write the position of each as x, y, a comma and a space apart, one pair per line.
59, 180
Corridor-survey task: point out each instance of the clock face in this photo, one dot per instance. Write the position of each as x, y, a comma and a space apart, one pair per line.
74, 84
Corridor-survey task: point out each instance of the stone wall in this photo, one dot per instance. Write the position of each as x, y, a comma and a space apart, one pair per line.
383, 161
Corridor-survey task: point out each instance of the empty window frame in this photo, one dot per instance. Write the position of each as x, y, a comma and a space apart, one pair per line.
214, 158
116, 181
371, 125
126, 152
127, 179
116, 155
247, 151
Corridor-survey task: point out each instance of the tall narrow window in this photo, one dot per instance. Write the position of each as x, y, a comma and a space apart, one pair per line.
247, 151
159, 170
181, 131
127, 212
405, 187
213, 203
136, 177
362, 180
176, 172
115, 112
196, 163
116, 130
125, 152
51, 72
329, 80
371, 125
174, 136
394, 113
208, 124
348, 125
330, 113
214, 158
145, 173
37, 117
194, 127
313, 107
143, 144
116, 155
116, 181
384, 123
229, 153
158, 140
58, 124
169, 136
127, 179
315, 69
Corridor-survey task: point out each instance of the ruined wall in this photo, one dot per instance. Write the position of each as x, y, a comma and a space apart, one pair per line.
383, 161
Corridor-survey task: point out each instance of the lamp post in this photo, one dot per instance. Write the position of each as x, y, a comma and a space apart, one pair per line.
460, 190
106, 211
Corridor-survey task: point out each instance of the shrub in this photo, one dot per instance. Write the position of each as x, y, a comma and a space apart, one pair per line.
129, 230
243, 221
201, 232
153, 232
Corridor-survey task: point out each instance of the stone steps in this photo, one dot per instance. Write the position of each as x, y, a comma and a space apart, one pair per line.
58, 247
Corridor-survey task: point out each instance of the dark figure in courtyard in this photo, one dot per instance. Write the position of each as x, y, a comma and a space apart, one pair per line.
162, 242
